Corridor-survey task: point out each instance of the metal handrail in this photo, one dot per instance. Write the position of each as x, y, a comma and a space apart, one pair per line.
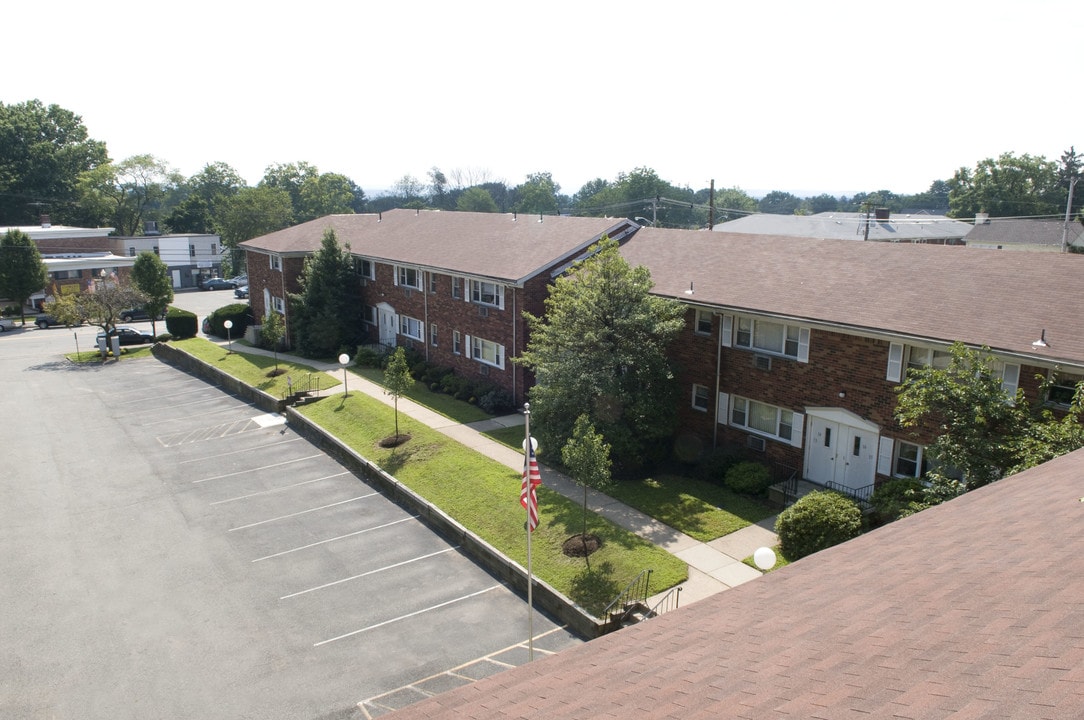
640, 583
667, 602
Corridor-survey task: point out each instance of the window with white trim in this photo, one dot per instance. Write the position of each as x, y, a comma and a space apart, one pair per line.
432, 283
278, 305
762, 418
1062, 389
368, 314
457, 287
433, 334
364, 268
928, 357
701, 397
411, 327
488, 352
276, 262
408, 277
457, 342
908, 460
704, 322
487, 293
772, 337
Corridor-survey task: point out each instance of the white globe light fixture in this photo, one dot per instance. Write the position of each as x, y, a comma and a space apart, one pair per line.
344, 359
764, 558
229, 338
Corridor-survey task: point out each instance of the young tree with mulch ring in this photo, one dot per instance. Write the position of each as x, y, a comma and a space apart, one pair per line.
397, 380
586, 455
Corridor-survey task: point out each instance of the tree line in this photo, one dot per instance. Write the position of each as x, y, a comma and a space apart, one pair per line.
50, 165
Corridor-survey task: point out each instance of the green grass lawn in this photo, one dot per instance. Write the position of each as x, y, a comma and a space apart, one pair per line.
700, 509
251, 368
483, 495
446, 405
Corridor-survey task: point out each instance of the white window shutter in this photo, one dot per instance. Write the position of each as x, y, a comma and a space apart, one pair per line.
895, 362
395, 274
884, 456
803, 345
1010, 380
726, 335
469, 351
723, 417
468, 291
500, 296
797, 425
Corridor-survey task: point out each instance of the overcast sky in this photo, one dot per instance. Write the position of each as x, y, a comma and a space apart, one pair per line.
802, 96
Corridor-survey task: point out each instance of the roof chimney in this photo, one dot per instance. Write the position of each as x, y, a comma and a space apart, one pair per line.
881, 214
45, 223
982, 218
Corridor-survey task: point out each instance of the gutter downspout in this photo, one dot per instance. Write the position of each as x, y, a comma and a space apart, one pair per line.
718, 370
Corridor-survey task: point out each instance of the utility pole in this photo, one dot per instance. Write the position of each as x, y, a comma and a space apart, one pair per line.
711, 206
1068, 211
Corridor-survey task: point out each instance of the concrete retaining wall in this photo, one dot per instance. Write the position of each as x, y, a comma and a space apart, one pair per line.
505, 569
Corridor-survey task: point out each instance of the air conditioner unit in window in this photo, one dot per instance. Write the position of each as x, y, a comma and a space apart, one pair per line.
483, 370
483, 311
364, 282
755, 443
762, 362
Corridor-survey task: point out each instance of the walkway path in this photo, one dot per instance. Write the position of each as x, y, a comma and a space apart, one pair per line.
713, 566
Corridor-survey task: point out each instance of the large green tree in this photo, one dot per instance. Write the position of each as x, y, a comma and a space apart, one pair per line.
151, 277
127, 193
195, 202
22, 273
641, 193
476, 199
779, 202
600, 350
326, 315
43, 152
249, 213
537, 195
1008, 186
982, 435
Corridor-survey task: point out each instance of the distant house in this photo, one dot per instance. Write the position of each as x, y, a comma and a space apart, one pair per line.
1021, 234
451, 285
190, 258
74, 257
879, 226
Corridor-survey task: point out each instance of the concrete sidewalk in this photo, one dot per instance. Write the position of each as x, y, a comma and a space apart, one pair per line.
713, 566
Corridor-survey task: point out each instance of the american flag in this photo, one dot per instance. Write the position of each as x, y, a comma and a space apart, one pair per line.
532, 478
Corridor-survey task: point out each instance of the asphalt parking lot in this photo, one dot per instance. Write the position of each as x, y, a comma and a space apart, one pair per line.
171, 551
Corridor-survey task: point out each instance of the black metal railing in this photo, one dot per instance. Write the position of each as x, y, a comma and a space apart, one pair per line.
667, 602
636, 592
860, 495
304, 386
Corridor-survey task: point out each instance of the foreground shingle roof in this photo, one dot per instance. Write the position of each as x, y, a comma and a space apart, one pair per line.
973, 609
1004, 300
501, 246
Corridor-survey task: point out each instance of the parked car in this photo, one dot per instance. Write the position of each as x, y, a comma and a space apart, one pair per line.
240, 280
6, 324
218, 284
138, 314
47, 321
128, 335
241, 292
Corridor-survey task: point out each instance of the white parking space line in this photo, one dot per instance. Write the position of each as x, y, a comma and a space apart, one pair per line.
370, 572
257, 469
215, 431
302, 512
276, 490
409, 615
158, 393
245, 451
185, 418
334, 539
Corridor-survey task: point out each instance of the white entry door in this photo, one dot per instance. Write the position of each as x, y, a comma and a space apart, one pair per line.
388, 329
840, 453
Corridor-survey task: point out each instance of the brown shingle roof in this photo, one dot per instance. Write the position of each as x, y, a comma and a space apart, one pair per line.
1004, 300
974, 608
505, 247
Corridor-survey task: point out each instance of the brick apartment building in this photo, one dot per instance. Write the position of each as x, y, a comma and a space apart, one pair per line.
453, 286
792, 349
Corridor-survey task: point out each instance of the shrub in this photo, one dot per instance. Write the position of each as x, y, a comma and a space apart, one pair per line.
748, 478
239, 313
896, 499
367, 357
495, 401
817, 521
181, 323
714, 466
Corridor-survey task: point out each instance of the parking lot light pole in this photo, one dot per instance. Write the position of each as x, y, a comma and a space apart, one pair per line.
344, 359
229, 339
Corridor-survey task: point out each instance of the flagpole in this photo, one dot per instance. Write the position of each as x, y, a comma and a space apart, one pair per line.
527, 481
